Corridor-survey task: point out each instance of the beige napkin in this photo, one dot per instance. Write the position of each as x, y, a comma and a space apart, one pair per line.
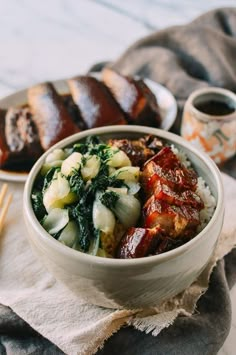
57, 314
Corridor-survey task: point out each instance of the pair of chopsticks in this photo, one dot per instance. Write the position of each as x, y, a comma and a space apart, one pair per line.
4, 204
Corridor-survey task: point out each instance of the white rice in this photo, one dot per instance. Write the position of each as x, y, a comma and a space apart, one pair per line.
182, 156
202, 190
209, 201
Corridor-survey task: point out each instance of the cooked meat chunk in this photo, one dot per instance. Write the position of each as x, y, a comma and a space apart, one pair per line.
73, 110
171, 211
135, 98
163, 192
174, 220
166, 168
168, 243
4, 149
139, 242
137, 152
140, 150
173, 203
19, 142
50, 115
95, 102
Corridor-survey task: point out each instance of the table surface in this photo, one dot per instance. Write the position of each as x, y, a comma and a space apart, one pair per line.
56, 39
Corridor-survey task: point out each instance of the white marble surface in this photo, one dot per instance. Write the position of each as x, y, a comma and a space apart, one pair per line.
53, 39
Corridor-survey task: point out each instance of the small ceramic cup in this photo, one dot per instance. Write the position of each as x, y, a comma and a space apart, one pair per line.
209, 122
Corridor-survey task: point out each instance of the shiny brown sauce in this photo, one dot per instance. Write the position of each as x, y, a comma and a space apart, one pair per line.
215, 108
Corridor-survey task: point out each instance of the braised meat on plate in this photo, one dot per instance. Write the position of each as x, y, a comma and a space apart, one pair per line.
19, 141
88, 103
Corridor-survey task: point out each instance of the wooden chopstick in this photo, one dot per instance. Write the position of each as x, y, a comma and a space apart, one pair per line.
3, 193
6, 204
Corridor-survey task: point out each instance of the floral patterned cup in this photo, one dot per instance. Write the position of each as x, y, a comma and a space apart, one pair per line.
210, 129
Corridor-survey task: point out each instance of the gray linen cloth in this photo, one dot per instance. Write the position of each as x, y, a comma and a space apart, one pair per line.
183, 58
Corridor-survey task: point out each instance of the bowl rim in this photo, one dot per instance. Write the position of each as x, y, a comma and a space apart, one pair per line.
113, 262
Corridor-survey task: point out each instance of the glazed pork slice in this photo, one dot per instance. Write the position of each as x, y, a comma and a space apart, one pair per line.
172, 203
177, 221
95, 102
134, 97
167, 169
163, 192
19, 143
139, 242
73, 110
50, 115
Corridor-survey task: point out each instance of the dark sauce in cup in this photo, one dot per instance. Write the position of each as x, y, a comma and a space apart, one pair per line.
216, 108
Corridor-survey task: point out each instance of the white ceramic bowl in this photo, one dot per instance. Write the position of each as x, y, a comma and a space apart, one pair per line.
131, 283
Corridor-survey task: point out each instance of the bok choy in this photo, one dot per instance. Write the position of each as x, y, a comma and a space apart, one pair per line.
86, 196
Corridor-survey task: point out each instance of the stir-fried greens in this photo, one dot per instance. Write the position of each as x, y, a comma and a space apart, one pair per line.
86, 196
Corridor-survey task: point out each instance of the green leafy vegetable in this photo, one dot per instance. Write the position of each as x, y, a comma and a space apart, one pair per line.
94, 245
48, 178
89, 192
77, 184
89, 144
56, 220
82, 215
94, 146
109, 199
69, 234
80, 148
37, 203
103, 180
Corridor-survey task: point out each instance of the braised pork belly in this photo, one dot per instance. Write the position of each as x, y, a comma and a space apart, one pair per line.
139, 242
50, 115
140, 150
95, 102
89, 103
171, 207
166, 168
18, 139
134, 97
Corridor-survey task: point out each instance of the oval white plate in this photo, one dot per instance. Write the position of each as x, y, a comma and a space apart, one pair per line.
166, 101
